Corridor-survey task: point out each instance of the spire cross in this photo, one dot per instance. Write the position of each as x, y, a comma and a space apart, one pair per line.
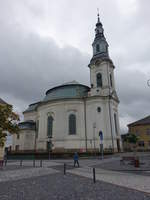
98, 15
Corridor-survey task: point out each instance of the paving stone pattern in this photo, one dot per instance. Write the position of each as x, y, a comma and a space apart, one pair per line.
36, 183
69, 187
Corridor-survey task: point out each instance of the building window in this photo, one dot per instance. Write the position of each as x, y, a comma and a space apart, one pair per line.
111, 84
72, 124
17, 147
137, 132
148, 131
99, 109
99, 80
18, 136
115, 120
37, 128
141, 143
49, 126
97, 48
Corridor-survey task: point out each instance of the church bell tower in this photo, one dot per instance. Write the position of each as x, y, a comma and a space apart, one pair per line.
103, 91
101, 66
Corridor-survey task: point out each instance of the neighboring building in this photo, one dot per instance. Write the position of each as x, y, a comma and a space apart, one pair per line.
70, 116
141, 128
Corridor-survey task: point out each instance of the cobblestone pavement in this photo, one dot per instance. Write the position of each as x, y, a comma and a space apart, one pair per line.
69, 187
28, 182
127, 166
13, 175
116, 165
129, 180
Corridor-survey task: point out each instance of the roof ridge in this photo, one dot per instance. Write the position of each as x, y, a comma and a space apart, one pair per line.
145, 120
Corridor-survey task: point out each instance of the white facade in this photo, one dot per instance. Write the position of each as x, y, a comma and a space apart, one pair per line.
95, 109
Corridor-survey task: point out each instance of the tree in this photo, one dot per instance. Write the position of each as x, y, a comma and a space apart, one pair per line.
8, 122
132, 139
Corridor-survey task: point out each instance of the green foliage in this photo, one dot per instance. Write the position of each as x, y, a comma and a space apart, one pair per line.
132, 138
8, 122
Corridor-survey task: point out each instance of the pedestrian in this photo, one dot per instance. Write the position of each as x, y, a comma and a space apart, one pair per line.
76, 159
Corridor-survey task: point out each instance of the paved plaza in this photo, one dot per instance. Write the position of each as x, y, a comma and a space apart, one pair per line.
49, 182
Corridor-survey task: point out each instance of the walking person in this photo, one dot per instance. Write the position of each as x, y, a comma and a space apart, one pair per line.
76, 159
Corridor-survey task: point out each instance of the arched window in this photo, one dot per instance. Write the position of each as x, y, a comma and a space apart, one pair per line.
99, 80
97, 48
72, 124
49, 126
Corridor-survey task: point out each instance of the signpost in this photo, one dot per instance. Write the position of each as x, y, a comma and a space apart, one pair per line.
101, 143
94, 127
49, 146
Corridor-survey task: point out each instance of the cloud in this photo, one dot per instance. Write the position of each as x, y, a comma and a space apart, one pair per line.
44, 44
32, 64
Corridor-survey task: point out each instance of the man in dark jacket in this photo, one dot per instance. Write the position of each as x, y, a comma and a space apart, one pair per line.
76, 159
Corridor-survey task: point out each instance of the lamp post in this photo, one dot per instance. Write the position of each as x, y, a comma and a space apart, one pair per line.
101, 143
94, 127
49, 145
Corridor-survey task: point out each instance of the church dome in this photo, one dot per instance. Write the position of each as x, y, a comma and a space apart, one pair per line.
68, 90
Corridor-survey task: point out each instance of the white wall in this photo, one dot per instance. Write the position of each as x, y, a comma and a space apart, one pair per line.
26, 140
60, 112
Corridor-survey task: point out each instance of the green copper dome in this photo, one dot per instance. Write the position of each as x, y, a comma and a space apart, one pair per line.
68, 90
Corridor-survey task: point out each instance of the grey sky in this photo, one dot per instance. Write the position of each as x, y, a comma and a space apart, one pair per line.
42, 40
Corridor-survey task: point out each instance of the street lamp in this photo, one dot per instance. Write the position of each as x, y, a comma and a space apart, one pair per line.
101, 143
49, 145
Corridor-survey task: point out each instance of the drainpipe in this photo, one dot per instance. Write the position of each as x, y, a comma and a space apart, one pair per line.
84, 100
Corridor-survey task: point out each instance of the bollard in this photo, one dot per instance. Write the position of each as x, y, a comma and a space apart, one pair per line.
40, 163
21, 163
64, 168
5, 163
94, 178
33, 163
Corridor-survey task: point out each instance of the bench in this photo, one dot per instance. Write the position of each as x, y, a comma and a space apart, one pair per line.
127, 158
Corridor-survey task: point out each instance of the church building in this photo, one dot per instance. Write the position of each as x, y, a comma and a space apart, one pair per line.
74, 117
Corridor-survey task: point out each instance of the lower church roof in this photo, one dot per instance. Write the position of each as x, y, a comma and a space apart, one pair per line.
29, 125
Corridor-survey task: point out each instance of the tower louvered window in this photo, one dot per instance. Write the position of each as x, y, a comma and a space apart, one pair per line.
97, 48
99, 80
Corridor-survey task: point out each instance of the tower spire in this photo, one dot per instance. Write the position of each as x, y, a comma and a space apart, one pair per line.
100, 45
98, 19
